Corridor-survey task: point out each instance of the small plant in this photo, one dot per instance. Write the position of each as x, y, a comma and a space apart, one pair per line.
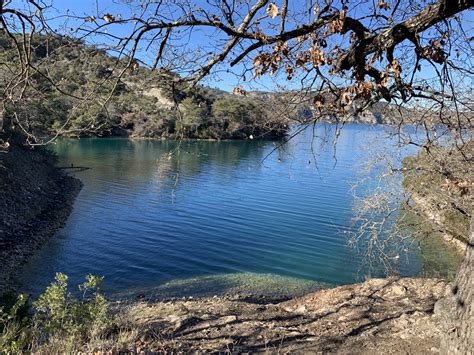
60, 321
15, 331
60, 315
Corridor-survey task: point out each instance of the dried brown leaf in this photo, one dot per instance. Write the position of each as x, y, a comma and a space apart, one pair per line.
272, 10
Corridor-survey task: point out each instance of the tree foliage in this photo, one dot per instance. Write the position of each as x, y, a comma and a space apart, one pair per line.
82, 95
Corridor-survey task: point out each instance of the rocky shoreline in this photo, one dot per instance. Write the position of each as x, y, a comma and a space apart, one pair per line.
387, 316
36, 199
434, 216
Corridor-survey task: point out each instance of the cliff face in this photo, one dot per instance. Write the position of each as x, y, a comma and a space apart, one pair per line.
35, 200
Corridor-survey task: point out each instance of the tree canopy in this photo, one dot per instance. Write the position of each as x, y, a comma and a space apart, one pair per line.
344, 53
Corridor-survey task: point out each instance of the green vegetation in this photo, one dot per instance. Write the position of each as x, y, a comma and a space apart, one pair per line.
60, 322
79, 90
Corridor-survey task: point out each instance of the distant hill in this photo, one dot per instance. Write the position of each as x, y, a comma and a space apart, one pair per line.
142, 103
300, 108
88, 92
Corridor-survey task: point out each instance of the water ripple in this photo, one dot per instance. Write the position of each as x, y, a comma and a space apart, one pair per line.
143, 220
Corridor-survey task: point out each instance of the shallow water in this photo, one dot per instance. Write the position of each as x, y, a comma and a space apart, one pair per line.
213, 217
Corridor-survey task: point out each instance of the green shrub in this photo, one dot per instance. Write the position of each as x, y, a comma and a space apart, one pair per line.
15, 325
59, 320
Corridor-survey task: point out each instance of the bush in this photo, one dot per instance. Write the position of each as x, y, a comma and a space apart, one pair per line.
15, 325
60, 321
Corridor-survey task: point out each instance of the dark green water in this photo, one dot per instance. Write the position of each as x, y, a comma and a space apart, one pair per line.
214, 217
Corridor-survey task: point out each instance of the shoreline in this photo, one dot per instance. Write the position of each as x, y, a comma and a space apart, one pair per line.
263, 138
389, 315
375, 316
435, 218
38, 200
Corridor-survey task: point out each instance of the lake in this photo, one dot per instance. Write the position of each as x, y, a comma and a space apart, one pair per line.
202, 218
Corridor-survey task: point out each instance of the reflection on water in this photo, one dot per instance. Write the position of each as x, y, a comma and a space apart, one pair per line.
147, 218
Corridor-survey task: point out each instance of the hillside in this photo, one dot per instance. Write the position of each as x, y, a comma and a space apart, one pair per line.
79, 90
36, 199
442, 196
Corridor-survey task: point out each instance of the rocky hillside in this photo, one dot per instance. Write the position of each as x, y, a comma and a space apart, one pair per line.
80, 90
35, 200
440, 182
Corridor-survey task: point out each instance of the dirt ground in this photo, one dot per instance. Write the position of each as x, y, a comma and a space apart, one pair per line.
389, 316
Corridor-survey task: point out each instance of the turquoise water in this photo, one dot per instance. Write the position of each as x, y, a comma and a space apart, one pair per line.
212, 217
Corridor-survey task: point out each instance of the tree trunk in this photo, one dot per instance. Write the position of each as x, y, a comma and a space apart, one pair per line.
456, 308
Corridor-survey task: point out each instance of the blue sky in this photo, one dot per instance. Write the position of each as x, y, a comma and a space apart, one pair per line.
200, 41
